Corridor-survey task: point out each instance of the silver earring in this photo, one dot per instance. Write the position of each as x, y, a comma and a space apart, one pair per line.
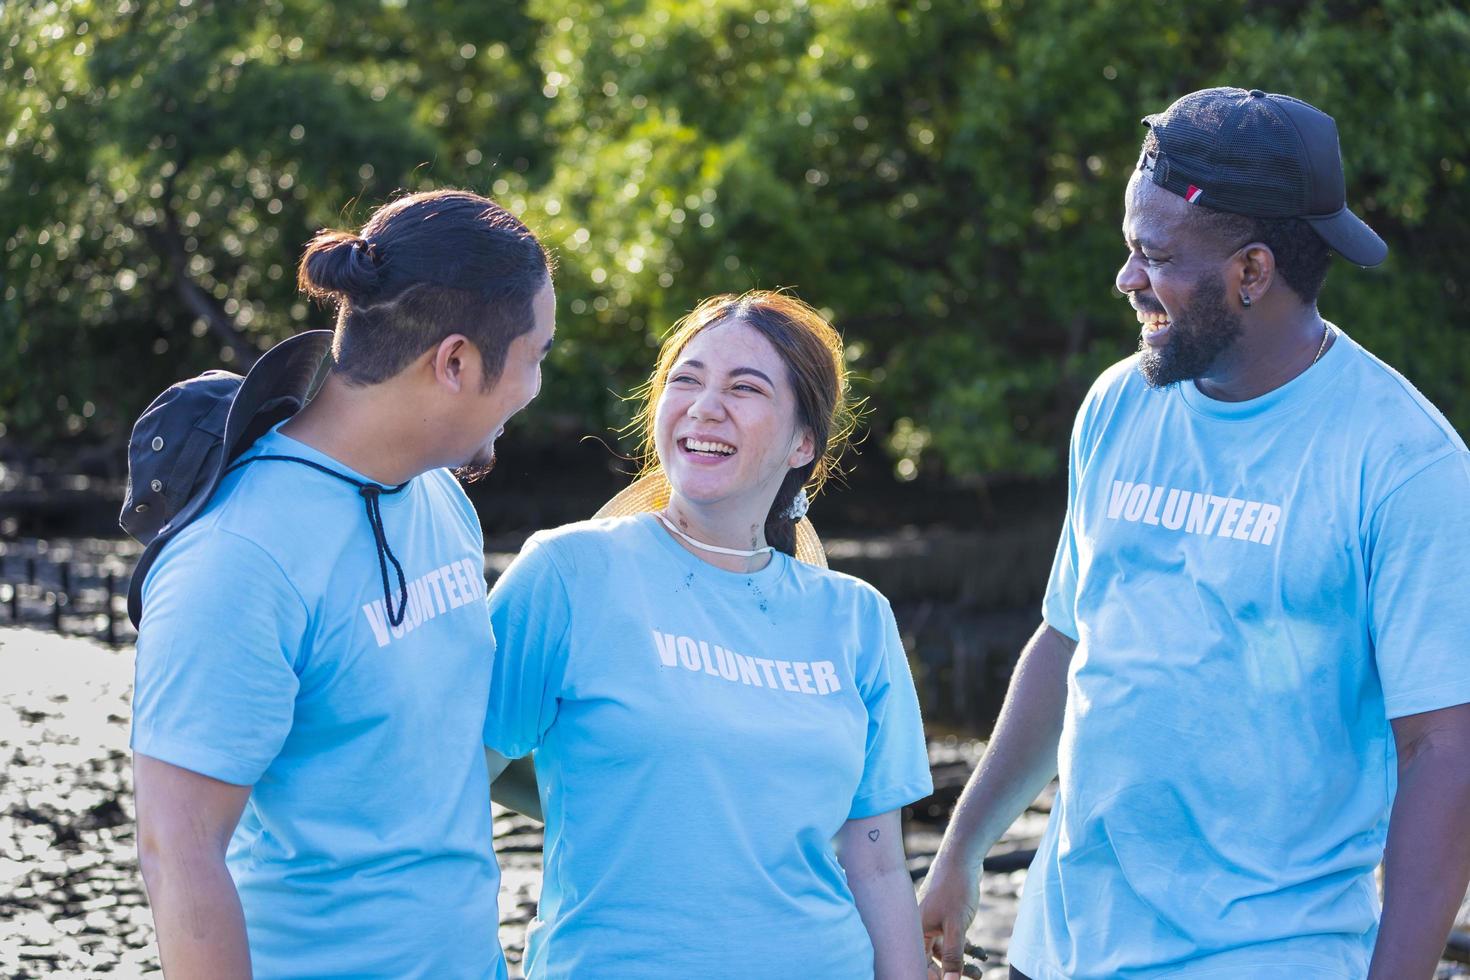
1245, 299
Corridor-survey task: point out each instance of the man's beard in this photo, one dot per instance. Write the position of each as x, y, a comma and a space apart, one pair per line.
477, 467
1204, 330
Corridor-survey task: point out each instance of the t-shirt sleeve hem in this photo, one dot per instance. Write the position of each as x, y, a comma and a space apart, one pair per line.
1426, 699
198, 759
510, 751
1061, 624
882, 801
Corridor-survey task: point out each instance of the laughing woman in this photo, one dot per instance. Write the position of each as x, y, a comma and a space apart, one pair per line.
710, 708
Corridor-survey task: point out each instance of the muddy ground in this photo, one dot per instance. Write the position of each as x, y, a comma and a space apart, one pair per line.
71, 900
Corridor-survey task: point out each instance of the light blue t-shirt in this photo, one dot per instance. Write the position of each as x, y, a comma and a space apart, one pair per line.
265, 659
1256, 588
700, 736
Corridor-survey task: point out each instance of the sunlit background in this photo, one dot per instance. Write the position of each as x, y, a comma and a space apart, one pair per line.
943, 177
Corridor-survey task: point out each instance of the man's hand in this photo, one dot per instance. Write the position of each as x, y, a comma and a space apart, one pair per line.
948, 902
1020, 760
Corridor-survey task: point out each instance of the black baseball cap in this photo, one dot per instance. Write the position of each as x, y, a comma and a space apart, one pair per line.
1262, 155
184, 441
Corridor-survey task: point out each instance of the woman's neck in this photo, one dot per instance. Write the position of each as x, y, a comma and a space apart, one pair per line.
711, 527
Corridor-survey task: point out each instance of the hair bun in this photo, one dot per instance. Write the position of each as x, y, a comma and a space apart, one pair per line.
339, 265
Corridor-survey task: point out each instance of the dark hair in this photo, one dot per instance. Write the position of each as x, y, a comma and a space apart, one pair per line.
812, 351
1301, 254
426, 266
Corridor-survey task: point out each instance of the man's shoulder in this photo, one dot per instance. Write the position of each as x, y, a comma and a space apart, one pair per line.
1117, 394
1396, 410
206, 569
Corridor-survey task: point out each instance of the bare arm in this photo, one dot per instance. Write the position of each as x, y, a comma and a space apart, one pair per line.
871, 852
513, 784
1020, 760
184, 825
1427, 862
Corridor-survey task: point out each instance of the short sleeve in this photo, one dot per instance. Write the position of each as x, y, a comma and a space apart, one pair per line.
215, 687
1059, 604
1418, 566
530, 613
896, 763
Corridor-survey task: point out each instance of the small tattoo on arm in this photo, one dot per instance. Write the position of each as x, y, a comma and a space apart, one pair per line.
874, 834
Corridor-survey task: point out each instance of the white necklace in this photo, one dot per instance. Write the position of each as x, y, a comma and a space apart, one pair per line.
738, 553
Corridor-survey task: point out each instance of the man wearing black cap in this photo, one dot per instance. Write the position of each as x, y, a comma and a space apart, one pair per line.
314, 650
1253, 673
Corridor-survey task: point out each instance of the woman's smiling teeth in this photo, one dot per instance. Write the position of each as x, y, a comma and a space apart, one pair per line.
708, 448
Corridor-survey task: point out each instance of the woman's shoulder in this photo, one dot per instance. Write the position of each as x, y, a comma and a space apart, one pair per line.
840, 587
588, 542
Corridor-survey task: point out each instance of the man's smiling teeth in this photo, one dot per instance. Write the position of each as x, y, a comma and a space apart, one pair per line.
720, 448
1153, 322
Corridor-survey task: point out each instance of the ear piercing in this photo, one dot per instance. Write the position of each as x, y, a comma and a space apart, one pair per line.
1245, 299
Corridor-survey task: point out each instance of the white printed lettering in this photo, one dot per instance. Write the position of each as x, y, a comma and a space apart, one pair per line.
1118, 497
1137, 501
766, 666
667, 654
377, 621
725, 661
466, 594
474, 580
688, 653
1217, 507
1232, 514
1265, 530
432, 581
711, 659
709, 667
748, 673
826, 677
1175, 508
1198, 508
1152, 517
426, 597
1247, 518
451, 587
413, 613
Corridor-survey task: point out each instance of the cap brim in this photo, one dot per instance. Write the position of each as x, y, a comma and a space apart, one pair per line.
650, 493
1350, 237
282, 375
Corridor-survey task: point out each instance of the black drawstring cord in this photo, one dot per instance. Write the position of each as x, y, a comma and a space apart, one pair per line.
370, 493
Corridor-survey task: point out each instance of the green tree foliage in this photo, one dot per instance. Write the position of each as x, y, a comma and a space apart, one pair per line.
944, 176
165, 162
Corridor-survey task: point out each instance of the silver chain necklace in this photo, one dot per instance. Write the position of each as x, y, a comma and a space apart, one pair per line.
1326, 332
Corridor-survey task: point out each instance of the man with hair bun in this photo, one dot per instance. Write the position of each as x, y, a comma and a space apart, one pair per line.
314, 650
1253, 675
